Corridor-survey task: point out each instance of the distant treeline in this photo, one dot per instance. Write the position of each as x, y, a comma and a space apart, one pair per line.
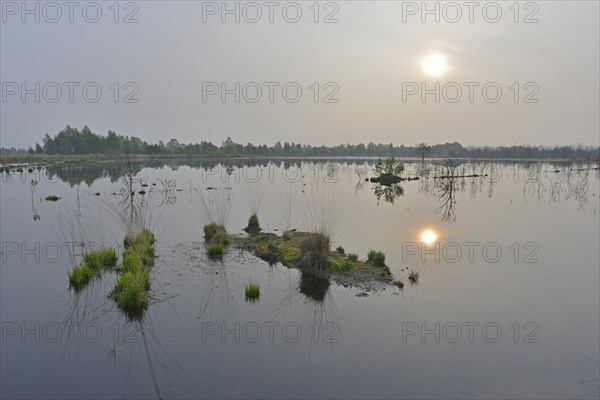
71, 141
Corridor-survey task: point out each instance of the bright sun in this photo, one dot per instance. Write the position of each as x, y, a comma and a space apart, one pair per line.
435, 65
428, 236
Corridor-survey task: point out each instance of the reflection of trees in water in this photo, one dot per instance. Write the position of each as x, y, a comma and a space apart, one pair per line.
168, 191
389, 193
563, 182
445, 192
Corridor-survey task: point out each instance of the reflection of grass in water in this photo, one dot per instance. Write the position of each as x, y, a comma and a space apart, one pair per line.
399, 282
215, 295
253, 193
313, 286
311, 305
215, 207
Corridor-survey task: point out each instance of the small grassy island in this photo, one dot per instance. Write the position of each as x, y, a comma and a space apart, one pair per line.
311, 252
131, 290
93, 264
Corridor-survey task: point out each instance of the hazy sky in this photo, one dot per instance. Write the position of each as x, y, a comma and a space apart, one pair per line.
370, 61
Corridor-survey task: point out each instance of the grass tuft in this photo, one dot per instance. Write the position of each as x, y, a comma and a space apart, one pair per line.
52, 198
131, 260
253, 221
131, 292
215, 233
98, 259
353, 257
413, 276
142, 243
315, 251
80, 276
252, 290
215, 250
376, 258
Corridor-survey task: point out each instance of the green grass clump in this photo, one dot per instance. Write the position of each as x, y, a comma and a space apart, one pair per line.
215, 250
52, 198
143, 243
80, 276
252, 291
100, 258
315, 251
266, 250
353, 257
376, 257
130, 292
413, 276
131, 260
215, 233
399, 283
253, 221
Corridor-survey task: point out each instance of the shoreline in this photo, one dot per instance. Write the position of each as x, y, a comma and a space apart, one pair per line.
99, 158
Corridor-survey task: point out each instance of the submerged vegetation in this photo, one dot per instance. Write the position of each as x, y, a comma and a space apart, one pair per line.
52, 198
252, 291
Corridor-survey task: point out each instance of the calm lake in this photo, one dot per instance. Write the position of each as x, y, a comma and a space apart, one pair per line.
507, 304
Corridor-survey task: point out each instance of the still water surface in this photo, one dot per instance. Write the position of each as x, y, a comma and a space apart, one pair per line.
507, 305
